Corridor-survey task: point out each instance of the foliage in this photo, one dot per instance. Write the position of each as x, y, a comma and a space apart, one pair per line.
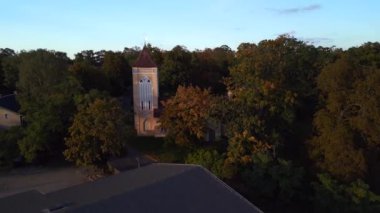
185, 115
97, 133
89, 76
7, 57
276, 179
175, 70
118, 72
210, 66
45, 91
270, 82
331, 196
8, 144
348, 124
243, 146
211, 160
10, 71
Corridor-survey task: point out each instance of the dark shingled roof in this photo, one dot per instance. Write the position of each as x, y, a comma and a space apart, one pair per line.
153, 188
9, 102
144, 60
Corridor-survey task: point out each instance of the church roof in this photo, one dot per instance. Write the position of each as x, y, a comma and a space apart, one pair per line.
144, 60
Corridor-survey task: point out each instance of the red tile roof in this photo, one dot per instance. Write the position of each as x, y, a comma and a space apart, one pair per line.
144, 60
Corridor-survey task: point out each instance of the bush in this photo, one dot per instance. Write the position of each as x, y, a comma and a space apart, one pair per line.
211, 160
331, 196
8, 145
274, 179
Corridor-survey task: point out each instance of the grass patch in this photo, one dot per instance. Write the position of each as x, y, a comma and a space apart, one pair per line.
157, 148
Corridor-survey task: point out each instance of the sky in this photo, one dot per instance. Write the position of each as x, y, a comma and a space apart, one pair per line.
75, 25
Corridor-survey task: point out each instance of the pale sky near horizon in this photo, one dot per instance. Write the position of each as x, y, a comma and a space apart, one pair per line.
75, 25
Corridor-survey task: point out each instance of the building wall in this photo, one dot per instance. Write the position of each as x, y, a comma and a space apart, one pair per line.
9, 118
143, 116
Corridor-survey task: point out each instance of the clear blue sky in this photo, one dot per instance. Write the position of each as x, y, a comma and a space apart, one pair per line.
75, 25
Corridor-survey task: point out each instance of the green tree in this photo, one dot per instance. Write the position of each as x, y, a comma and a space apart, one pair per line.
5, 54
97, 133
274, 179
118, 72
8, 145
210, 66
332, 196
88, 74
211, 160
175, 70
10, 71
45, 93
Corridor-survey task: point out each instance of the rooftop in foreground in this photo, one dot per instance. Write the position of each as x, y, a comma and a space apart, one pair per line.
153, 188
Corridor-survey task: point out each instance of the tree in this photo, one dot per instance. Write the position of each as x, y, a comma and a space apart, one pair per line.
97, 133
186, 115
89, 75
346, 144
243, 146
45, 93
272, 88
5, 55
275, 179
8, 144
210, 66
118, 72
332, 196
211, 160
175, 70
10, 71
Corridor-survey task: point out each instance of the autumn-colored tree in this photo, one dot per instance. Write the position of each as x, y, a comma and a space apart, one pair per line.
186, 115
270, 85
348, 124
97, 133
243, 146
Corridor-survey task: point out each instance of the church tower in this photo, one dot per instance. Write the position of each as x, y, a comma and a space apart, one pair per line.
145, 95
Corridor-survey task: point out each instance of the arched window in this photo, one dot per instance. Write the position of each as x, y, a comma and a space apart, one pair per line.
145, 94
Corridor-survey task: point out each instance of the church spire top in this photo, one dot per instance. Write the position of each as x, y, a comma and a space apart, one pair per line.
144, 60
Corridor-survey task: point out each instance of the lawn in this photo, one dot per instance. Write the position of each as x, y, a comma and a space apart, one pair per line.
156, 148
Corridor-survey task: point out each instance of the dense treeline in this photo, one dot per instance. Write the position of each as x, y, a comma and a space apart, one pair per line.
301, 124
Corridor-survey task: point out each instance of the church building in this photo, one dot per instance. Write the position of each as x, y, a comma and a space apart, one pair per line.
145, 95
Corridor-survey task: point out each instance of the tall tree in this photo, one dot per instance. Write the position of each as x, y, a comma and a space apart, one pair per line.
46, 93
175, 70
348, 135
118, 72
5, 55
210, 66
97, 133
270, 84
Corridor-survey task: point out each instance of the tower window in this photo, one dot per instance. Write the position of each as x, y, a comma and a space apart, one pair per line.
145, 93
